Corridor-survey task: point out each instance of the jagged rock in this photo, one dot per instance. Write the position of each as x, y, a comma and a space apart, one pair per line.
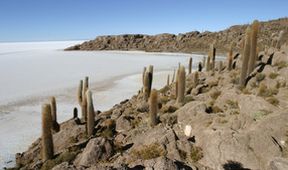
97, 149
65, 166
279, 164
123, 123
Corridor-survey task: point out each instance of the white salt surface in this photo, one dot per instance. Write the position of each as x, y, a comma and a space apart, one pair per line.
31, 72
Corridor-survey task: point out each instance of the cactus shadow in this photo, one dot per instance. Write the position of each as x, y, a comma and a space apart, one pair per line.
233, 165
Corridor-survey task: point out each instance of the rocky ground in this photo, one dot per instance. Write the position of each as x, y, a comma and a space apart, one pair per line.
220, 126
188, 42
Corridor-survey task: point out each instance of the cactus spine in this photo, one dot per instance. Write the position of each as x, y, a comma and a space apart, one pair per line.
245, 58
253, 46
153, 107
90, 113
190, 65
55, 125
47, 148
181, 85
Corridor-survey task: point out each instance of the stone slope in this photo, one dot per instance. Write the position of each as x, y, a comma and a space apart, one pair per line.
231, 128
188, 42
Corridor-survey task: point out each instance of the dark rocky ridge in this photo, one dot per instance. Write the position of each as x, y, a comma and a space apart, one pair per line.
188, 42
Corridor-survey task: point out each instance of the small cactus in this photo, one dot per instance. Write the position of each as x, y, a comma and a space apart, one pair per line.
153, 107
245, 58
253, 46
47, 147
230, 58
190, 65
212, 55
220, 66
204, 61
75, 113
143, 75
181, 85
90, 114
200, 67
55, 124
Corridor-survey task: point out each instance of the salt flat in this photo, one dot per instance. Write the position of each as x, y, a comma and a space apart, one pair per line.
31, 72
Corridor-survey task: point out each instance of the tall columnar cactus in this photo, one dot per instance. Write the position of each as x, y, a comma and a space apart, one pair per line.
55, 125
190, 65
253, 47
208, 63
212, 55
230, 59
173, 77
148, 78
47, 147
143, 76
245, 58
90, 114
83, 87
220, 66
204, 61
168, 80
177, 83
153, 107
195, 79
181, 85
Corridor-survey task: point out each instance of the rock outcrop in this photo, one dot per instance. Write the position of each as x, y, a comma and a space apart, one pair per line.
189, 42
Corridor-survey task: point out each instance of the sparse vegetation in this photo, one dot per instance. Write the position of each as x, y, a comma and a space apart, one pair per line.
260, 77
232, 104
149, 152
273, 75
196, 153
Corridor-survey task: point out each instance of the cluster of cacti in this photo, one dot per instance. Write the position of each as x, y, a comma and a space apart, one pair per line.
180, 84
249, 52
82, 100
190, 66
90, 113
147, 81
153, 107
47, 147
55, 124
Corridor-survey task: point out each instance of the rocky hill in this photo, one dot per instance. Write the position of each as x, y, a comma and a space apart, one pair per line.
188, 42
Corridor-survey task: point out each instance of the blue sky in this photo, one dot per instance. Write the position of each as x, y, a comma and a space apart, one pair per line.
34, 20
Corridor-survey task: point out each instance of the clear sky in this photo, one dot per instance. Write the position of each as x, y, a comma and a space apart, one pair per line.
33, 20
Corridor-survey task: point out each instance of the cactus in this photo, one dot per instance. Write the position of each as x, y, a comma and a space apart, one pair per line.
200, 67
230, 57
168, 80
173, 77
90, 114
208, 63
245, 58
181, 85
176, 83
143, 75
55, 125
195, 79
204, 61
220, 66
148, 77
83, 87
75, 113
212, 55
253, 46
47, 147
280, 39
153, 107
190, 65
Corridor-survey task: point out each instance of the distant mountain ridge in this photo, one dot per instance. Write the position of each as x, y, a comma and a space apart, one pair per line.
187, 42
